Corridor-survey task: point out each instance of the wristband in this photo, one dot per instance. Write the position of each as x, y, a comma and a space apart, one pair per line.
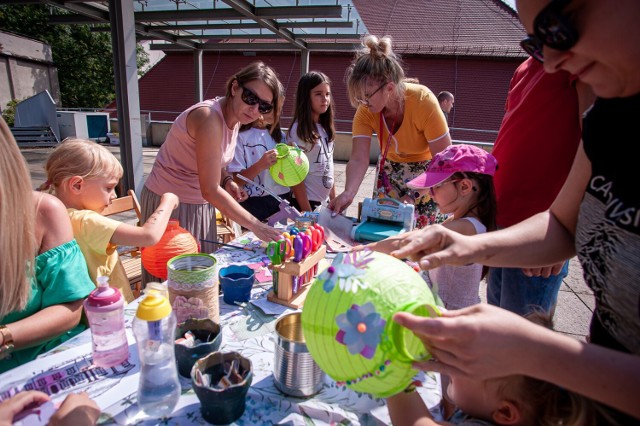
7, 342
225, 181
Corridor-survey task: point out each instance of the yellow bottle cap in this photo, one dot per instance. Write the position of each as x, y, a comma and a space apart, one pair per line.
154, 307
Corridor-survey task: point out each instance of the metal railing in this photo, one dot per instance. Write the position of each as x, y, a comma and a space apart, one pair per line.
453, 130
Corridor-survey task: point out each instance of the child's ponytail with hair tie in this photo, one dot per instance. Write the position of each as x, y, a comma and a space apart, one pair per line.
45, 187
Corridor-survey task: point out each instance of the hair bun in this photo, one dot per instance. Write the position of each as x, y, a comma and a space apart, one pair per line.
377, 47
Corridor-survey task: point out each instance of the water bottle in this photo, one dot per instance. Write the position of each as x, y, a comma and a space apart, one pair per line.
154, 328
105, 311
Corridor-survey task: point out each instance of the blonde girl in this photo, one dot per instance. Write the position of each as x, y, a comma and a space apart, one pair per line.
84, 175
313, 131
43, 276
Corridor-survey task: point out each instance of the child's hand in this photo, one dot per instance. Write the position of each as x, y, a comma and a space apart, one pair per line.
171, 198
269, 159
18, 403
76, 409
236, 191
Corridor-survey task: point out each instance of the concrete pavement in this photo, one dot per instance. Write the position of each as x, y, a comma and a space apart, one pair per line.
575, 299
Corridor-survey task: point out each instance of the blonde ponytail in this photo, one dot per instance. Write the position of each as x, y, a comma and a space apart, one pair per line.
17, 230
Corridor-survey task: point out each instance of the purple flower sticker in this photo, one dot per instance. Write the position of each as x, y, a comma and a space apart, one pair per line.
361, 328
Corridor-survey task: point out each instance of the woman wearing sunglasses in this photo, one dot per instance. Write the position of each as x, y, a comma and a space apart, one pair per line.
200, 144
596, 216
410, 125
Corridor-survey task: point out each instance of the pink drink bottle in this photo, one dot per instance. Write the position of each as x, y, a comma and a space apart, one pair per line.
105, 311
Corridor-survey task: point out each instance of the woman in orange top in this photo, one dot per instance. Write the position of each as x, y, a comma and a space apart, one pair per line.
408, 121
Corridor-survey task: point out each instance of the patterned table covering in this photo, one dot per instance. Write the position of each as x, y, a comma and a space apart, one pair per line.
246, 330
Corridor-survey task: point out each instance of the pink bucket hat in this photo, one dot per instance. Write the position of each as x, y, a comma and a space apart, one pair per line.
455, 158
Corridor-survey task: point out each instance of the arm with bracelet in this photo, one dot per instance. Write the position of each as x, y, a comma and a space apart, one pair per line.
7, 341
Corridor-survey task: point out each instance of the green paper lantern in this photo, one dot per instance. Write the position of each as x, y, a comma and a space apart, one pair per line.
291, 167
348, 327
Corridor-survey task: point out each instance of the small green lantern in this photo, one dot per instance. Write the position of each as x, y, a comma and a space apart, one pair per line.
291, 167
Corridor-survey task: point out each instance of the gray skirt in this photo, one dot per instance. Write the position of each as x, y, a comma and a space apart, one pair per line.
199, 219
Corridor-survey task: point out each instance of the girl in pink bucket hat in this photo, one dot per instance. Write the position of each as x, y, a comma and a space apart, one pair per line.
460, 181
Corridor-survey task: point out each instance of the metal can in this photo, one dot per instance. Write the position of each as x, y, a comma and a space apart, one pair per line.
295, 372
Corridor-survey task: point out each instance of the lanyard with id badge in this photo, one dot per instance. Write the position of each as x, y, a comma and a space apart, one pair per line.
383, 185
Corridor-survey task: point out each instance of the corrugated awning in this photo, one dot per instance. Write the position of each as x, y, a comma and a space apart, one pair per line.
327, 25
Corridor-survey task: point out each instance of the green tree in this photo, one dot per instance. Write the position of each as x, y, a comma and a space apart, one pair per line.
83, 58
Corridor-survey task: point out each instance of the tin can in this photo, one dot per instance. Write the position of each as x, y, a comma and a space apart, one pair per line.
295, 372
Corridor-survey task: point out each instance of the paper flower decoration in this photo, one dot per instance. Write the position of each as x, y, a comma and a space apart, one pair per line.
348, 274
192, 307
360, 329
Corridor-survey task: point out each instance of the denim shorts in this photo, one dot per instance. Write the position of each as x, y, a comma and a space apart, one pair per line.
511, 289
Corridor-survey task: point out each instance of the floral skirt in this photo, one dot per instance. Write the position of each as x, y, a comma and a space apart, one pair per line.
392, 183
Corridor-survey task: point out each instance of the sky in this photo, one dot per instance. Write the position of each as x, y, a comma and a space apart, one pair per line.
511, 3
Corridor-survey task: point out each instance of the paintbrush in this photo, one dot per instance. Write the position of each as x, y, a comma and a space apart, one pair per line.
227, 245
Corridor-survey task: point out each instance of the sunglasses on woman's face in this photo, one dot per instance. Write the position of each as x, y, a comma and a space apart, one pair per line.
551, 28
250, 98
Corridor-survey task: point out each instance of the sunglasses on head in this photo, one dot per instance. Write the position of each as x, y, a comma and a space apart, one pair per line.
250, 98
551, 28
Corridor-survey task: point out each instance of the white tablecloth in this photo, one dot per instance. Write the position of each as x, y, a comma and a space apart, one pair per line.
245, 330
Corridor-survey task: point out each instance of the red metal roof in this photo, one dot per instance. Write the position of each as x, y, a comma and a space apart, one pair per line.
446, 27
469, 48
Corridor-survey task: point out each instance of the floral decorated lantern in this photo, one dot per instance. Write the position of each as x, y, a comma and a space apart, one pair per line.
348, 327
291, 167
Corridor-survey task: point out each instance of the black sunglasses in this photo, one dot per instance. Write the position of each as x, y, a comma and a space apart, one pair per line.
250, 98
551, 28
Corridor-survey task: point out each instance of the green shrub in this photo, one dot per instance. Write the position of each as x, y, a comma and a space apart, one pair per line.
9, 113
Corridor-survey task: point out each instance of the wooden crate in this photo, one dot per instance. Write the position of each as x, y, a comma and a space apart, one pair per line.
303, 271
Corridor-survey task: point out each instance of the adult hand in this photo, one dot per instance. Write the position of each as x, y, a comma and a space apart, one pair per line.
340, 203
479, 342
18, 403
387, 245
268, 159
171, 198
545, 271
434, 246
267, 233
76, 409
